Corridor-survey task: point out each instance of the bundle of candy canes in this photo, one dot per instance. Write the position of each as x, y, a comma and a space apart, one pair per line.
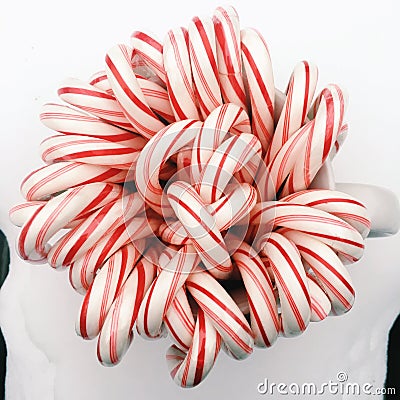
177, 192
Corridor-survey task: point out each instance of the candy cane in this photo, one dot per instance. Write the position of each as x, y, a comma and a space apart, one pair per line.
227, 32
328, 121
260, 80
166, 143
163, 290
200, 225
70, 121
224, 119
326, 227
336, 203
94, 101
78, 240
151, 51
179, 75
82, 271
299, 94
116, 334
203, 59
332, 275
128, 93
263, 309
155, 95
189, 369
55, 178
290, 278
223, 312
57, 213
103, 291
91, 150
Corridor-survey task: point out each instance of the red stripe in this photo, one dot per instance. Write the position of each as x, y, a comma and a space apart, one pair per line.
83, 314
259, 79
327, 266
147, 39
201, 356
127, 90
307, 91
292, 266
85, 92
220, 304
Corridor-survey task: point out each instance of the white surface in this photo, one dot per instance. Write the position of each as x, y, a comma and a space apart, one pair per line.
354, 44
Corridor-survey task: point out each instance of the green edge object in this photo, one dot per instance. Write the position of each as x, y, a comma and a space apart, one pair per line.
4, 258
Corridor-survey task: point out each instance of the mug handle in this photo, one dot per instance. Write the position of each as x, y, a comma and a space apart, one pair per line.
382, 204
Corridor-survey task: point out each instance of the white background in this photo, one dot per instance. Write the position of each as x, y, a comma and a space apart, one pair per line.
354, 43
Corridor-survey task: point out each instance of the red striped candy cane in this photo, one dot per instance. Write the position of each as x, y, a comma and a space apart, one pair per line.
80, 239
327, 125
179, 74
163, 290
89, 150
200, 225
262, 304
52, 179
57, 213
116, 334
332, 276
327, 228
291, 281
189, 368
320, 303
230, 157
227, 32
299, 94
203, 60
223, 312
151, 52
260, 81
94, 101
157, 151
128, 93
224, 119
70, 121
103, 291
155, 94
337, 203
83, 270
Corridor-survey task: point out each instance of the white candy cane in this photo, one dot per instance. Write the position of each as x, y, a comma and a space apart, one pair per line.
162, 146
